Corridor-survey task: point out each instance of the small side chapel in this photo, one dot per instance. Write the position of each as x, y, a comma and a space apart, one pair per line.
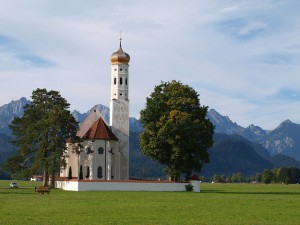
104, 153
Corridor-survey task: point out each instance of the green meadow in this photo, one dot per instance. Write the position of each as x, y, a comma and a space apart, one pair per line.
216, 204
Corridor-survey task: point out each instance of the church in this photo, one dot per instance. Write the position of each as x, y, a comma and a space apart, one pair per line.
103, 161
104, 152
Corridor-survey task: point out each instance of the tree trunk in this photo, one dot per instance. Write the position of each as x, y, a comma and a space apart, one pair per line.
174, 177
45, 159
52, 179
45, 174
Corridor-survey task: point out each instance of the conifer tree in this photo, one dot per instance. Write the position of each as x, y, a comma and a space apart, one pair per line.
43, 131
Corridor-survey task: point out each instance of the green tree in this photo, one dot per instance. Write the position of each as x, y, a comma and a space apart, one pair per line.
217, 179
177, 133
267, 176
282, 175
275, 178
257, 177
294, 175
41, 134
228, 179
236, 177
13, 166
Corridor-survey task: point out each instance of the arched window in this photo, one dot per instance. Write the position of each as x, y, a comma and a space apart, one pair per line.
112, 171
80, 173
87, 172
121, 80
115, 81
100, 150
99, 172
70, 173
126, 81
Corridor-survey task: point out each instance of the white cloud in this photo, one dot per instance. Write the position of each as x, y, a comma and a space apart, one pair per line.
230, 9
252, 27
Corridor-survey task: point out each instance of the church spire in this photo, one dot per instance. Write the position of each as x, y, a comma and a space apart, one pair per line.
120, 38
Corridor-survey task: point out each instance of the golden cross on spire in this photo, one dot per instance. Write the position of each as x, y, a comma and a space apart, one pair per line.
120, 38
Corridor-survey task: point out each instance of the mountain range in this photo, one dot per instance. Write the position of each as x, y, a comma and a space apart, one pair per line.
285, 139
9, 111
236, 149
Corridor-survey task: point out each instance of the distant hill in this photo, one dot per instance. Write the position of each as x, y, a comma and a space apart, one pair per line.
253, 133
263, 152
6, 150
224, 125
284, 161
104, 111
230, 156
285, 139
15, 109
9, 111
142, 166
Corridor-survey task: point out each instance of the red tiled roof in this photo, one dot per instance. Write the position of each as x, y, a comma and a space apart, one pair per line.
194, 177
99, 130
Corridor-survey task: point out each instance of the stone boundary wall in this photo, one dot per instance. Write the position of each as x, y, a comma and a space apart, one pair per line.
87, 185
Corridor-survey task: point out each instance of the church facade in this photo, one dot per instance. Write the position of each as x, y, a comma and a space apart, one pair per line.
104, 152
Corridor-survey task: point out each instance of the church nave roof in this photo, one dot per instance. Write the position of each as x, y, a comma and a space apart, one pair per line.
99, 130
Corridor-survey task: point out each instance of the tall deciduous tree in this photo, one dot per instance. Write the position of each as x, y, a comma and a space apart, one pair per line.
177, 132
41, 134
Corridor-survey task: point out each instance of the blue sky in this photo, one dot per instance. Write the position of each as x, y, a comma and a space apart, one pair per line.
242, 57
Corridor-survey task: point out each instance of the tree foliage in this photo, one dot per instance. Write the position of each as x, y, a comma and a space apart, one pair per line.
267, 176
177, 133
41, 134
284, 175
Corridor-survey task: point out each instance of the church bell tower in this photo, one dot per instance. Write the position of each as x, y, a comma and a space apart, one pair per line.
119, 111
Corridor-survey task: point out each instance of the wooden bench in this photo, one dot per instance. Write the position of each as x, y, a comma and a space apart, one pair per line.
42, 190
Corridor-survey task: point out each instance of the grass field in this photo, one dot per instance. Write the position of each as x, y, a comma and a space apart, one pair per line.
216, 204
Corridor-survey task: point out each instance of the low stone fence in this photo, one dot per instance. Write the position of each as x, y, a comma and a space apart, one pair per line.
131, 185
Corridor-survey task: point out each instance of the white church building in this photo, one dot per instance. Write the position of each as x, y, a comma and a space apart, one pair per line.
103, 161
104, 153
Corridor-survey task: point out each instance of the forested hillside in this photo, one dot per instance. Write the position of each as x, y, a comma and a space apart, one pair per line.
231, 156
142, 166
6, 150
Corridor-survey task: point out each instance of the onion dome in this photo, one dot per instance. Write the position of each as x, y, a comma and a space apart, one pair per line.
120, 56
